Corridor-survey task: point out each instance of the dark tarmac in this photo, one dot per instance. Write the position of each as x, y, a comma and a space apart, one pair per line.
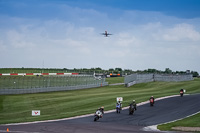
165, 110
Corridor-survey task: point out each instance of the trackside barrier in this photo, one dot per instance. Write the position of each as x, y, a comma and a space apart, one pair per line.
36, 84
24, 74
143, 78
49, 89
130, 83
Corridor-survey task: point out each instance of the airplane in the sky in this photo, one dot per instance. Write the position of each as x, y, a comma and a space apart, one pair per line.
106, 34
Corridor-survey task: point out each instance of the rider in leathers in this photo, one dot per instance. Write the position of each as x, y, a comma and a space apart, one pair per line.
119, 103
101, 109
151, 98
134, 104
181, 90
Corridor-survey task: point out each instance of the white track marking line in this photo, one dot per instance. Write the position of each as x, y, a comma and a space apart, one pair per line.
151, 128
82, 116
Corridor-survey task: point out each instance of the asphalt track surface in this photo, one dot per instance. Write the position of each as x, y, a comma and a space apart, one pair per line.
163, 111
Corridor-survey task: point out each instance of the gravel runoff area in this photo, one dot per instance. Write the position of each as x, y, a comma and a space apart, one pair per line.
190, 129
165, 110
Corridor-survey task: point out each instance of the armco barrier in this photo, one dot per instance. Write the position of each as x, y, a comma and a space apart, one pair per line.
143, 78
130, 78
36, 84
130, 83
138, 78
175, 78
49, 89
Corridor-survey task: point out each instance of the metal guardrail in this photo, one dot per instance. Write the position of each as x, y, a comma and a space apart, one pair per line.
143, 78
49, 89
36, 84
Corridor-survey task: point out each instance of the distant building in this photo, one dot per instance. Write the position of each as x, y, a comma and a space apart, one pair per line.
187, 71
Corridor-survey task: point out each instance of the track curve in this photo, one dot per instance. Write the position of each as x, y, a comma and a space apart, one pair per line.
165, 110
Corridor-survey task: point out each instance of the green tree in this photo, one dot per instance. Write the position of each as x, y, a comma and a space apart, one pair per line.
111, 69
98, 68
195, 74
168, 71
118, 69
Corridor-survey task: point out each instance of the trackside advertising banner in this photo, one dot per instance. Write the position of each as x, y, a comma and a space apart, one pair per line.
35, 112
119, 99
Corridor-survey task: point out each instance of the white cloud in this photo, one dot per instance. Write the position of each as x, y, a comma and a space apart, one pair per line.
127, 39
2, 46
18, 40
180, 32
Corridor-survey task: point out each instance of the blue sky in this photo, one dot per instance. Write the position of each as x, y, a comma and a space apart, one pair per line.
66, 34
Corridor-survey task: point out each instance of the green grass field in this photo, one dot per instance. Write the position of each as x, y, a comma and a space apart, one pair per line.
193, 121
115, 80
55, 105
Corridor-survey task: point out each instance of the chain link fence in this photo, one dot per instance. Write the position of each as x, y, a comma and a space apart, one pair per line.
174, 78
35, 84
143, 78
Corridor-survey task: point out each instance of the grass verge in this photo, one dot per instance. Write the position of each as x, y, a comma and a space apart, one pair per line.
192, 121
115, 80
56, 105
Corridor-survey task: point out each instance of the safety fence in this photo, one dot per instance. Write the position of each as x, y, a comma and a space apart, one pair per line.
35, 84
175, 78
143, 78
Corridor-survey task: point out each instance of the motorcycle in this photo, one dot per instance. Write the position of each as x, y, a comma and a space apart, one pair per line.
118, 108
98, 115
151, 102
131, 109
181, 93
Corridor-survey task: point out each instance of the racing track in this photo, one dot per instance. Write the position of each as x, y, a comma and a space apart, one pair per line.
164, 111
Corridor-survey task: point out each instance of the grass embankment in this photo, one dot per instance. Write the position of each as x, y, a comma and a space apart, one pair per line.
55, 105
115, 80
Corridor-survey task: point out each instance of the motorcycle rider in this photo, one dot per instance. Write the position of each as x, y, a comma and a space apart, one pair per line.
99, 113
134, 104
181, 92
119, 105
151, 98
101, 109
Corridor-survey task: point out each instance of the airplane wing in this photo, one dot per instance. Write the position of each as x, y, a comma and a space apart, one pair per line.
106, 34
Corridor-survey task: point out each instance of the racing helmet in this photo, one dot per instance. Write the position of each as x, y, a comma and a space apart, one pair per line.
102, 107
